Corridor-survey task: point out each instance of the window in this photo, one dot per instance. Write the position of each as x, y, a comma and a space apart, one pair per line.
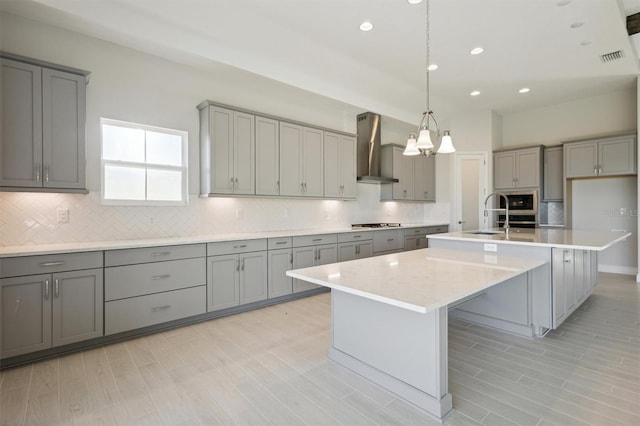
143, 165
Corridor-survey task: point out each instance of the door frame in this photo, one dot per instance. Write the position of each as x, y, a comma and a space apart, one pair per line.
456, 207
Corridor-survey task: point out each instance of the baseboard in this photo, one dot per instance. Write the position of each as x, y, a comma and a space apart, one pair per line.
616, 269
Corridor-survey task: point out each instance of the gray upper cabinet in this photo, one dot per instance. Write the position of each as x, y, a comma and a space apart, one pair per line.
339, 166
416, 175
43, 128
267, 156
425, 178
517, 168
604, 157
553, 181
301, 161
227, 151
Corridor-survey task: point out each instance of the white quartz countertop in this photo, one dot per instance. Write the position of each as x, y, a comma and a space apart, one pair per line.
418, 280
72, 247
546, 237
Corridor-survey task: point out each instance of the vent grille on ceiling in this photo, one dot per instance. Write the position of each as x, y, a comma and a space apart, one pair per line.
612, 56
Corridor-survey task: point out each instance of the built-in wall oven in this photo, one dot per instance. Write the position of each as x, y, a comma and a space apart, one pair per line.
523, 209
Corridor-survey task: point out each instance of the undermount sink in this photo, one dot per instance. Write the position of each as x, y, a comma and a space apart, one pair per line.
485, 232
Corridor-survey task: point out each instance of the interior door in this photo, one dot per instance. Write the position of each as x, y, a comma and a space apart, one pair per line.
470, 190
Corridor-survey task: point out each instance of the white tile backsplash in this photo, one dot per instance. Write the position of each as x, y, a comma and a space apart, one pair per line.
31, 218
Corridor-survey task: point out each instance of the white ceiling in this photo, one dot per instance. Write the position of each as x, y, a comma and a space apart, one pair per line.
316, 45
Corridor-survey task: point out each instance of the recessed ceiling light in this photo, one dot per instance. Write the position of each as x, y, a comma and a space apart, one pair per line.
524, 90
432, 67
474, 93
366, 26
576, 25
476, 50
563, 3
414, 1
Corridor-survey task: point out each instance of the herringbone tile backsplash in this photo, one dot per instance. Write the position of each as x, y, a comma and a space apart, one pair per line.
31, 218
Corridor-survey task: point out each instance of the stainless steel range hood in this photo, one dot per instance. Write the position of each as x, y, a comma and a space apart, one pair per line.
368, 158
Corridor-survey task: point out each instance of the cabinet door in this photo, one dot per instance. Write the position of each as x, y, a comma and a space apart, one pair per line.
528, 168
267, 157
425, 178
63, 129
221, 150
312, 162
504, 170
553, 182
421, 242
581, 159
332, 183
77, 306
617, 156
303, 257
405, 189
280, 261
347, 251
290, 159
579, 276
327, 254
253, 277
223, 282
21, 143
569, 281
244, 156
347, 168
25, 314
364, 249
410, 243
558, 267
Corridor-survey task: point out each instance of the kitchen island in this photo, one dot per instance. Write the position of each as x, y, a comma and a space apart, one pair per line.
559, 288
389, 314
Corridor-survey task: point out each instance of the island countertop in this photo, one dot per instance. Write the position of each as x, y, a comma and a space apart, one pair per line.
542, 237
419, 280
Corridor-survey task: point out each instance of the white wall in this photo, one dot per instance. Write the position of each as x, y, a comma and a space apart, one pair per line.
128, 85
613, 113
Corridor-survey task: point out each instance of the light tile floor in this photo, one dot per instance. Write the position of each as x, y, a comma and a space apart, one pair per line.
269, 366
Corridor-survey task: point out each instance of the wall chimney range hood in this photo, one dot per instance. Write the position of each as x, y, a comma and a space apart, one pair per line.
368, 156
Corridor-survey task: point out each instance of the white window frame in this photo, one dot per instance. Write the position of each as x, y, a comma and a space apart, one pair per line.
183, 168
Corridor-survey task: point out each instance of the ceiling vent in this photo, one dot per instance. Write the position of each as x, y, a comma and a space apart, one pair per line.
612, 56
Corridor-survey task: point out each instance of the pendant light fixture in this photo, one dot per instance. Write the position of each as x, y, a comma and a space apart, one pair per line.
423, 144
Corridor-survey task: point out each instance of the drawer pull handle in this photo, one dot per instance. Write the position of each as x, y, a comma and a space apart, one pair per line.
161, 253
281, 242
160, 277
160, 308
241, 246
61, 262
390, 239
357, 236
315, 240
56, 287
46, 289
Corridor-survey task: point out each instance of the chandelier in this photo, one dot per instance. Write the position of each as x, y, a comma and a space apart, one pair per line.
423, 145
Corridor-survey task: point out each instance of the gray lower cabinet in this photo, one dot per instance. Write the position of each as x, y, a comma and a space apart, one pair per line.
43, 128
354, 245
280, 261
313, 250
53, 308
388, 241
416, 238
238, 277
574, 276
149, 286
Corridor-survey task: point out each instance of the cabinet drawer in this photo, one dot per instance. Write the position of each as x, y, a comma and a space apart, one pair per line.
152, 254
49, 263
388, 239
239, 246
280, 243
313, 240
348, 237
438, 229
143, 311
416, 231
147, 278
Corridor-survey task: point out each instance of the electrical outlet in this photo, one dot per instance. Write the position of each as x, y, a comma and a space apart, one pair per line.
63, 216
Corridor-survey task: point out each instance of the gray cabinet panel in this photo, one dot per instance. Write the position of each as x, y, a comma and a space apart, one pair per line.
517, 169
238, 246
553, 182
244, 156
425, 178
346, 251
63, 122
617, 156
291, 181
354, 236
581, 159
49, 263
25, 314
388, 240
364, 249
312, 162
339, 166
21, 144
267, 156
77, 306
279, 243
221, 150
155, 277
280, 261
223, 282
303, 257
504, 169
253, 277
153, 254
143, 311
310, 240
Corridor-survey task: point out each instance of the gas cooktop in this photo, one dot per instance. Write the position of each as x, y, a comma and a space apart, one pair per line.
375, 225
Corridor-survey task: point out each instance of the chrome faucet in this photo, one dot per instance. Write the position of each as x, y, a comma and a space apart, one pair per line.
505, 210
